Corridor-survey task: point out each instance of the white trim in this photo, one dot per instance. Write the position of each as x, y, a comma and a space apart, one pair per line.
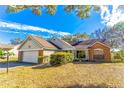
68, 49
98, 49
22, 43
100, 43
30, 49
27, 39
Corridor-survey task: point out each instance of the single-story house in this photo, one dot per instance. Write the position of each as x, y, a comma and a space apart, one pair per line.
34, 46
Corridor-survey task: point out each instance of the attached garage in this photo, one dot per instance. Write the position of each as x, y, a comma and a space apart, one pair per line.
33, 48
30, 56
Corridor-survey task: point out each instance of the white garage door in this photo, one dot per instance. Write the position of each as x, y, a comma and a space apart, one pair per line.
30, 56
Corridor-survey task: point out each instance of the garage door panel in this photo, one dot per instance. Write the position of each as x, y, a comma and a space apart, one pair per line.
30, 56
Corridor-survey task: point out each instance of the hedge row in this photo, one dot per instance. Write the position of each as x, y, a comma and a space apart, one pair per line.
60, 58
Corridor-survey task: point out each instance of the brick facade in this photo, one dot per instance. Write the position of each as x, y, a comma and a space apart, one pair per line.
106, 50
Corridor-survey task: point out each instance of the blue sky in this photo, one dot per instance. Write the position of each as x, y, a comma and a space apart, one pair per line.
60, 22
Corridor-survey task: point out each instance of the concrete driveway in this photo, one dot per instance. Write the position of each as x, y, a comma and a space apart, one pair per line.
3, 65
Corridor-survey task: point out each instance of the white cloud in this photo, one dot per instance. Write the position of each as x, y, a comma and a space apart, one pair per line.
25, 33
17, 26
14, 32
111, 17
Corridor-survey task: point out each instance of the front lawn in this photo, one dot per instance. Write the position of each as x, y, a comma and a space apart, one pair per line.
68, 75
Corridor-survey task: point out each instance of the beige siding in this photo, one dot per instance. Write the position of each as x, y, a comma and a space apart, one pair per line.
29, 45
86, 53
48, 52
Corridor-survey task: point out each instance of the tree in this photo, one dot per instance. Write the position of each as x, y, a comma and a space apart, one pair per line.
114, 35
2, 53
76, 37
82, 35
69, 38
99, 34
83, 11
16, 41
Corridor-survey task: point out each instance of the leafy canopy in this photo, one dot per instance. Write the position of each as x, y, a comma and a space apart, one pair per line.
76, 37
83, 11
16, 41
114, 35
2, 53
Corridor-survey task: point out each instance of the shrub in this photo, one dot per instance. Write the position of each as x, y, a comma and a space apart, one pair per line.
40, 59
118, 56
43, 59
60, 58
2, 53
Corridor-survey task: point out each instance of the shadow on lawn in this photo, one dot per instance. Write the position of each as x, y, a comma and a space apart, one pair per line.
43, 66
102, 85
86, 62
46, 65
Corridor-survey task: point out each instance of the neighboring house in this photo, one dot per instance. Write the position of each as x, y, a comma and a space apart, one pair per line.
10, 48
15, 50
91, 50
6, 47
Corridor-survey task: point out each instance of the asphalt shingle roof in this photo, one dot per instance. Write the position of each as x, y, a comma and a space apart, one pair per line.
85, 44
61, 44
44, 43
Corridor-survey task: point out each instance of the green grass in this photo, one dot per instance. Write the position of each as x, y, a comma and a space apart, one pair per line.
68, 75
11, 59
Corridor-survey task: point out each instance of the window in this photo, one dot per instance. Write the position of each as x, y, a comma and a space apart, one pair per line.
81, 54
98, 52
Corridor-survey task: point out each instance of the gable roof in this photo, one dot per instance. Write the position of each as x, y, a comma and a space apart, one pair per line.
88, 43
44, 43
61, 44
